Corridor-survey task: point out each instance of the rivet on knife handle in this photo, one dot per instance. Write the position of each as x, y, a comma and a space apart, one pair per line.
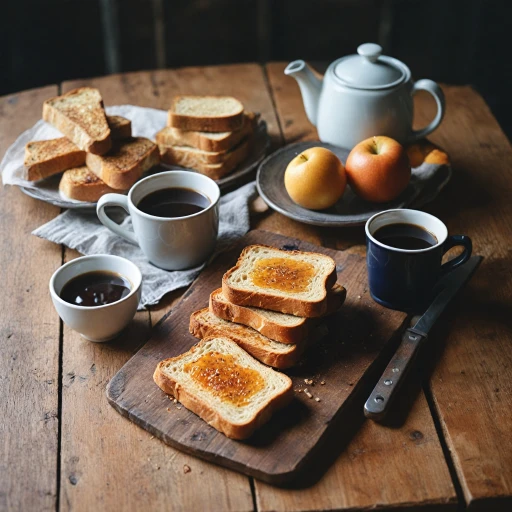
377, 405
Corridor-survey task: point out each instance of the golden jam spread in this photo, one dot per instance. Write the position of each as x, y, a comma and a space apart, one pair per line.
287, 275
222, 376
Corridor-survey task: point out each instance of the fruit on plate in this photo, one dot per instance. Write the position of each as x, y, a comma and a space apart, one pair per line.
378, 169
315, 179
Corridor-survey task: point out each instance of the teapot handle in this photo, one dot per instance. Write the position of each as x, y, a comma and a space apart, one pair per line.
436, 91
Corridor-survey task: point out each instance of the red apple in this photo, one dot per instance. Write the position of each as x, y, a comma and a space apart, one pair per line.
378, 169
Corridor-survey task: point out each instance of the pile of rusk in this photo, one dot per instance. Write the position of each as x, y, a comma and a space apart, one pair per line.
98, 154
270, 309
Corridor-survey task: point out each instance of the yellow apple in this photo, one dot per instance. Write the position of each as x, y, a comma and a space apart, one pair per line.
315, 179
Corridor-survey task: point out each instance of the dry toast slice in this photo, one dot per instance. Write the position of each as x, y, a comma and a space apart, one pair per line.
126, 163
207, 141
82, 184
276, 354
193, 159
190, 156
206, 113
80, 116
276, 326
45, 158
292, 282
202, 380
120, 127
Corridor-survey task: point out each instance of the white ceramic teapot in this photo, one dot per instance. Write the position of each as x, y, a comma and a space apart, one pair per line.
364, 95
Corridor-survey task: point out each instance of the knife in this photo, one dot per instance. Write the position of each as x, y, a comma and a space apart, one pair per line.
380, 399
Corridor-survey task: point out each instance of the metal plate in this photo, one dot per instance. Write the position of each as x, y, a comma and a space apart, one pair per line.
350, 210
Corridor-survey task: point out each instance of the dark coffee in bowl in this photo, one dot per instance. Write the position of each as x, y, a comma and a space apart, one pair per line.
96, 288
173, 202
405, 236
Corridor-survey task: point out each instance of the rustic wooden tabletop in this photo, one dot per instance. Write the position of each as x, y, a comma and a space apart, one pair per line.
63, 447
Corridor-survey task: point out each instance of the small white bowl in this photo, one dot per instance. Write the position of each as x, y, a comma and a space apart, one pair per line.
97, 323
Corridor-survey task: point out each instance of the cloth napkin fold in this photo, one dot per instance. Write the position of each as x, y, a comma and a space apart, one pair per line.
85, 233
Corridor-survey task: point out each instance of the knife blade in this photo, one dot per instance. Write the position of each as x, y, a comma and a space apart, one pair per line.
382, 395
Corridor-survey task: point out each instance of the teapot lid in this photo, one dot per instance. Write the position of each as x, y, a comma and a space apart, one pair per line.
369, 69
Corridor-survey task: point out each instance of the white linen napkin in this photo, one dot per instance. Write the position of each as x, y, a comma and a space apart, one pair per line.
145, 123
84, 232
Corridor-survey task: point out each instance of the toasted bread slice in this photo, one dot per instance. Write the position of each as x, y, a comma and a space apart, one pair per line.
120, 127
79, 115
276, 354
206, 113
44, 158
82, 184
207, 141
292, 282
202, 380
193, 159
126, 163
276, 326
190, 156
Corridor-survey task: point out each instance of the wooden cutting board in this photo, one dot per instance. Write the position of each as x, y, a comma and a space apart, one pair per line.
280, 449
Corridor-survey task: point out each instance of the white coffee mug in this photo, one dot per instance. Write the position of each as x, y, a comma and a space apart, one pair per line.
174, 243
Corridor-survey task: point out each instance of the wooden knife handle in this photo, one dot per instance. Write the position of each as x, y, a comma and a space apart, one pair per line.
377, 405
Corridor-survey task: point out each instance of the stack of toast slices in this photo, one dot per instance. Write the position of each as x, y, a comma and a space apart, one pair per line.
269, 310
210, 134
97, 154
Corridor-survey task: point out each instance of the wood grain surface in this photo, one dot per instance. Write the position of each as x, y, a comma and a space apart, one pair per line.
471, 384
279, 451
29, 333
469, 360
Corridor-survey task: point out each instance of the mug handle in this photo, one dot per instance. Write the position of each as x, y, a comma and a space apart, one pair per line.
115, 200
454, 241
436, 91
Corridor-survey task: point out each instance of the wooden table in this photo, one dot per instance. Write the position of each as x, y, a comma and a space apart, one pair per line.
63, 447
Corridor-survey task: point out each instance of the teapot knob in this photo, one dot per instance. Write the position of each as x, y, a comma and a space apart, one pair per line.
370, 51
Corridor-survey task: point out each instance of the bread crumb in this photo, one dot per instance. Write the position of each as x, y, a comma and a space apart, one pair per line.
359, 296
309, 381
168, 409
186, 469
175, 401
317, 399
307, 393
152, 437
179, 407
322, 383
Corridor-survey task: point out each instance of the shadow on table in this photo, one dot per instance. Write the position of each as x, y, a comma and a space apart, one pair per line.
344, 429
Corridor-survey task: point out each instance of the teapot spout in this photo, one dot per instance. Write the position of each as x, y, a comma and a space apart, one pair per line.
310, 87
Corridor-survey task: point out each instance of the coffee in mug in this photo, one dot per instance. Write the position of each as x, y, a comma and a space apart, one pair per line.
175, 217
173, 202
404, 252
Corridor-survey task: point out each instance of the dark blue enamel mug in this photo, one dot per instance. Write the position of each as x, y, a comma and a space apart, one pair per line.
404, 279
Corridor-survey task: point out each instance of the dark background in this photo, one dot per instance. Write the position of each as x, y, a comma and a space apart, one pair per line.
450, 41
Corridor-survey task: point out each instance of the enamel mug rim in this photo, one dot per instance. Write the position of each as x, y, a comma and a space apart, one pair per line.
407, 216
